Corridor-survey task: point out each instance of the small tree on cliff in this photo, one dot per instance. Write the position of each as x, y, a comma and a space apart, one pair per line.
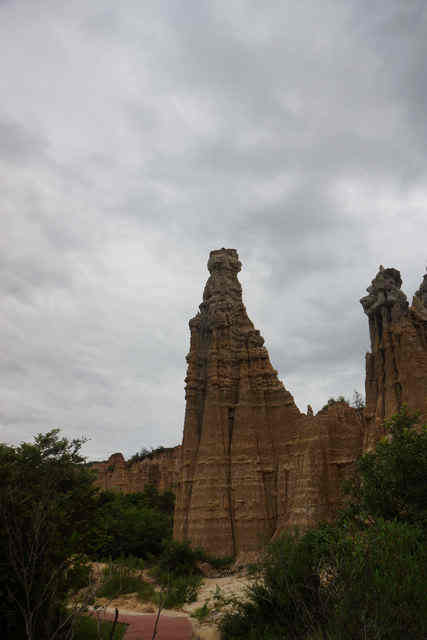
48, 505
391, 480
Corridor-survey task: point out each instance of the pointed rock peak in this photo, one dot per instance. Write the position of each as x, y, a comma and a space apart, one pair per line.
384, 291
222, 260
222, 295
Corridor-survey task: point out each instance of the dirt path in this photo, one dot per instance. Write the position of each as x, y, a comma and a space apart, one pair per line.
175, 624
141, 626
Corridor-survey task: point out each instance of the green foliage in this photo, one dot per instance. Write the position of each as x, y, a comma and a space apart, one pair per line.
178, 589
135, 524
286, 597
86, 629
178, 559
48, 507
218, 563
361, 579
120, 579
201, 614
391, 480
377, 587
177, 573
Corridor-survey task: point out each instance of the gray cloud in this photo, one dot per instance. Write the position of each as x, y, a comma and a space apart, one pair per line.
137, 137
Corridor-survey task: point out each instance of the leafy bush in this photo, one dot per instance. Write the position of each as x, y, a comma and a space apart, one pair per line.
391, 480
287, 595
178, 559
120, 579
378, 584
135, 524
202, 613
177, 590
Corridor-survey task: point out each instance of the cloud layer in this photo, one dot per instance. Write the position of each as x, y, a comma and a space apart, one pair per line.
136, 137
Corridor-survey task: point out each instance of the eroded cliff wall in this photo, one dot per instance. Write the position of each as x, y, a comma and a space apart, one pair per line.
252, 463
160, 470
396, 367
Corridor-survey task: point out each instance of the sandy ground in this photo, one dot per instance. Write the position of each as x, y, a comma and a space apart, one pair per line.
226, 587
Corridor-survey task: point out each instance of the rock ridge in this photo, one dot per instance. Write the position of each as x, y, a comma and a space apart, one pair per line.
159, 469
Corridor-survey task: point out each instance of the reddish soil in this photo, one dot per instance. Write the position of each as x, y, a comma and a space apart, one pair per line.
141, 627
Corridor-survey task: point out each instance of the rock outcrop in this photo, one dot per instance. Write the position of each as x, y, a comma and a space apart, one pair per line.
159, 469
251, 463
396, 367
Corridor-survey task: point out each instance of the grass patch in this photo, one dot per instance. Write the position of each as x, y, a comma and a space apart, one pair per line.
119, 579
178, 590
86, 629
202, 613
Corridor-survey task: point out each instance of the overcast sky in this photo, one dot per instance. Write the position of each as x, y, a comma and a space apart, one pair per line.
137, 136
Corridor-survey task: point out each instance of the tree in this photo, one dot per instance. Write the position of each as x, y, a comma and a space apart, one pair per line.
48, 507
391, 480
136, 523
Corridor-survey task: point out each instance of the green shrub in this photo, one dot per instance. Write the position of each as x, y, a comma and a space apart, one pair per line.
177, 590
119, 579
178, 559
218, 563
378, 583
391, 480
287, 595
135, 524
201, 613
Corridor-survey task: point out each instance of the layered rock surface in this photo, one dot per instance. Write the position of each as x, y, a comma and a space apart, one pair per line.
160, 470
396, 367
252, 463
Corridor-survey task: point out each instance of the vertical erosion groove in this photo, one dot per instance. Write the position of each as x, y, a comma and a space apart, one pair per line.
231, 415
202, 366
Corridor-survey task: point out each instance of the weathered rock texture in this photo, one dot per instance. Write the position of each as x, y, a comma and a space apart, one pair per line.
252, 464
161, 470
396, 367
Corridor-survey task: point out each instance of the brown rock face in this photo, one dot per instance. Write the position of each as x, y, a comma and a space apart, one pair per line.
160, 470
314, 464
252, 464
396, 368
